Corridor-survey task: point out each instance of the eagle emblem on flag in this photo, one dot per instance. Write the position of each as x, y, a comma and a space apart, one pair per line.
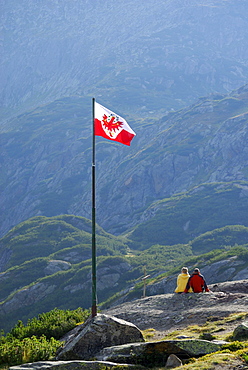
111, 125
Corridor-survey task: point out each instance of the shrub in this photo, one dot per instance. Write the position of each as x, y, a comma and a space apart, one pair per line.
37, 340
54, 324
15, 351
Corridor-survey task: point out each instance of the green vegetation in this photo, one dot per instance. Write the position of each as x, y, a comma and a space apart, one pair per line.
54, 324
41, 236
215, 239
38, 340
239, 253
14, 351
213, 329
52, 256
187, 215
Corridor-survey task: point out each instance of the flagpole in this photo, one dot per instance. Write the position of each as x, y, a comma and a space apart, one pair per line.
94, 307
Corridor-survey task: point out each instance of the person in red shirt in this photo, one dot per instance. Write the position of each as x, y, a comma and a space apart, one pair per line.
197, 283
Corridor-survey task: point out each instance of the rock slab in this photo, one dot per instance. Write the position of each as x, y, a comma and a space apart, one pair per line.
157, 353
71, 365
95, 334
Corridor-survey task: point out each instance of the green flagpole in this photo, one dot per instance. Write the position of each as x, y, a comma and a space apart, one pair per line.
94, 307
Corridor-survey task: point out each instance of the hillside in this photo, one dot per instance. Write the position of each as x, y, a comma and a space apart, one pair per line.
46, 263
46, 161
184, 216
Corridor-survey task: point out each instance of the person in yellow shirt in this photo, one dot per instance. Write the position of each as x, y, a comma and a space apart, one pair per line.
182, 280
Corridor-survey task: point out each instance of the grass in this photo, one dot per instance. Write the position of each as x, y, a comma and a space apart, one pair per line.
233, 353
214, 326
209, 362
148, 334
214, 361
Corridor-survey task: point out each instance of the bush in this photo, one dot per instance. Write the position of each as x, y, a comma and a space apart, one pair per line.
234, 346
37, 341
15, 351
54, 324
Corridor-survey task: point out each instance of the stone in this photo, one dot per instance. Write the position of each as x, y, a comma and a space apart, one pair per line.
156, 353
71, 365
173, 361
241, 332
95, 334
54, 266
207, 336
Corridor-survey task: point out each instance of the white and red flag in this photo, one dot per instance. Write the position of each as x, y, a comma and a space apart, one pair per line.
111, 126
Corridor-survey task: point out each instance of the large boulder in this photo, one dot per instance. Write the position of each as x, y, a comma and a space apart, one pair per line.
241, 332
157, 353
95, 334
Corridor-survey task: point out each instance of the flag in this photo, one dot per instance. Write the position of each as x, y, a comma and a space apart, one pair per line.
111, 126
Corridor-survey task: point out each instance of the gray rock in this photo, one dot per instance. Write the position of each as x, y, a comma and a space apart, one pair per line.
239, 286
54, 266
146, 353
173, 361
70, 365
97, 333
207, 336
241, 332
27, 296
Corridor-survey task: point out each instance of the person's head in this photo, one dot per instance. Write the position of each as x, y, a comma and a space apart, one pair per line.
184, 270
196, 271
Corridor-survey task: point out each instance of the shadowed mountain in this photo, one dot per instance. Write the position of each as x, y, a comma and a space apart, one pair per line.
46, 160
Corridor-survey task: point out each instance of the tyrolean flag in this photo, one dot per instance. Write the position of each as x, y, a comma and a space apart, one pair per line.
111, 126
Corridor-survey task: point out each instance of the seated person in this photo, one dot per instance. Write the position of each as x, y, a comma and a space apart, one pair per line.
197, 283
182, 280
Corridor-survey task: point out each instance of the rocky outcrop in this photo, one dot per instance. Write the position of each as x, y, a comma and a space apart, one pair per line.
54, 266
96, 333
27, 296
108, 277
170, 310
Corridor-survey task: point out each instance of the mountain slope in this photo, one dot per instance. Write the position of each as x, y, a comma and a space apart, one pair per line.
60, 275
186, 215
141, 56
46, 163
42, 236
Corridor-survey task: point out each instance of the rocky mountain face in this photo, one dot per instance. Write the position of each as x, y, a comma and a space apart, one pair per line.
140, 56
46, 160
